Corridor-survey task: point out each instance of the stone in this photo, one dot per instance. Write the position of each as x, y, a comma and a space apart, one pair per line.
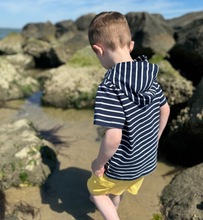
12, 84
21, 60
187, 53
11, 44
74, 85
183, 197
183, 144
150, 34
23, 161
83, 22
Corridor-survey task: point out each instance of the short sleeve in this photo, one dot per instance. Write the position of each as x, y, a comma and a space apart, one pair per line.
108, 108
162, 98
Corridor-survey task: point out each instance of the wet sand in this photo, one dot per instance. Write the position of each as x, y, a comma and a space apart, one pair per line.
64, 195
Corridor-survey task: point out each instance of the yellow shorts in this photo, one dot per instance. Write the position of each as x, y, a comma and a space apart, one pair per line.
104, 185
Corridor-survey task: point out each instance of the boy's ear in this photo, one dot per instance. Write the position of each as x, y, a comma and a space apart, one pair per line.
98, 49
131, 46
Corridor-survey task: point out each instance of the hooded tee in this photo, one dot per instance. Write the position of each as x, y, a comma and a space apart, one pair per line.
129, 98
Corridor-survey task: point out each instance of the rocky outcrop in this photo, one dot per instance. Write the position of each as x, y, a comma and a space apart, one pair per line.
74, 84
182, 198
184, 142
12, 84
83, 22
25, 157
176, 88
150, 33
187, 54
11, 44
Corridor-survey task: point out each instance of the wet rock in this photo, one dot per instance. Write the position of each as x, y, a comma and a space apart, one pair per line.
21, 60
74, 84
11, 44
187, 54
183, 198
150, 33
23, 161
184, 142
12, 84
176, 88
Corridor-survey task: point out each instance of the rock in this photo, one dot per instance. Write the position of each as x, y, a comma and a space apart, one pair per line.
150, 34
22, 155
43, 53
179, 22
65, 30
182, 198
66, 89
83, 22
21, 60
183, 145
187, 54
12, 84
11, 44
176, 88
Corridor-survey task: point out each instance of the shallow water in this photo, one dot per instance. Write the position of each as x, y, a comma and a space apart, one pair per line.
65, 195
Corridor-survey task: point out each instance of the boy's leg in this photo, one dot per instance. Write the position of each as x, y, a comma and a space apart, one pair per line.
105, 206
116, 199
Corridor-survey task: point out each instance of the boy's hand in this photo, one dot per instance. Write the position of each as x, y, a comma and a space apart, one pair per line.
97, 170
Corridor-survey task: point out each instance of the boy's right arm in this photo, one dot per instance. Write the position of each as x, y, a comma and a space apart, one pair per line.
164, 114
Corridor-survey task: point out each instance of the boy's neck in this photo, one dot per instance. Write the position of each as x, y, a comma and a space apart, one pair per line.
118, 56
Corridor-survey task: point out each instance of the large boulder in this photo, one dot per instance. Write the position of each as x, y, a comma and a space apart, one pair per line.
21, 60
74, 84
43, 53
12, 84
150, 33
176, 88
11, 44
179, 22
187, 54
182, 198
65, 30
26, 159
184, 143
83, 22
42, 31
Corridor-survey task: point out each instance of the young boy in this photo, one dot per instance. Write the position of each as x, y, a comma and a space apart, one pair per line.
131, 106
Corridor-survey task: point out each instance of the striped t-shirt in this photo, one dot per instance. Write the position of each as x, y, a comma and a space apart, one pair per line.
129, 98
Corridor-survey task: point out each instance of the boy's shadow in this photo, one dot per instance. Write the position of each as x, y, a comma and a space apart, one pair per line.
66, 190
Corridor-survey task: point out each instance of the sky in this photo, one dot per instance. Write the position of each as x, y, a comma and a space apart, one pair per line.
17, 13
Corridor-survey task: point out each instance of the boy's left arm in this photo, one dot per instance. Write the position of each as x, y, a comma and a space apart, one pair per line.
108, 147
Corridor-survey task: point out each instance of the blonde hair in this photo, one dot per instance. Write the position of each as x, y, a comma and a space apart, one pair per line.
110, 29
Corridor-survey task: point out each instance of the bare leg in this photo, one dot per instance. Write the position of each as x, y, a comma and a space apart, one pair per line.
116, 199
105, 206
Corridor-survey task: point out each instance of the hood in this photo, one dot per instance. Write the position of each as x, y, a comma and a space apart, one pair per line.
137, 79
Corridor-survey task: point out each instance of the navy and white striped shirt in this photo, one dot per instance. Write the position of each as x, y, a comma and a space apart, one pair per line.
129, 98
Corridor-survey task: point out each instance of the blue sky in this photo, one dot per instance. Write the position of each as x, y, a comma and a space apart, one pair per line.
17, 13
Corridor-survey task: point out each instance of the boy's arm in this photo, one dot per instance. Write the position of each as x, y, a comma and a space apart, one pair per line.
164, 114
108, 147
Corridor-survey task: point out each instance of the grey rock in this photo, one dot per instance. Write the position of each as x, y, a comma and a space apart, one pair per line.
24, 155
150, 34
13, 85
11, 44
83, 22
183, 198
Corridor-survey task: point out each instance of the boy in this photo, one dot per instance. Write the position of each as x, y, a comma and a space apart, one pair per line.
131, 106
